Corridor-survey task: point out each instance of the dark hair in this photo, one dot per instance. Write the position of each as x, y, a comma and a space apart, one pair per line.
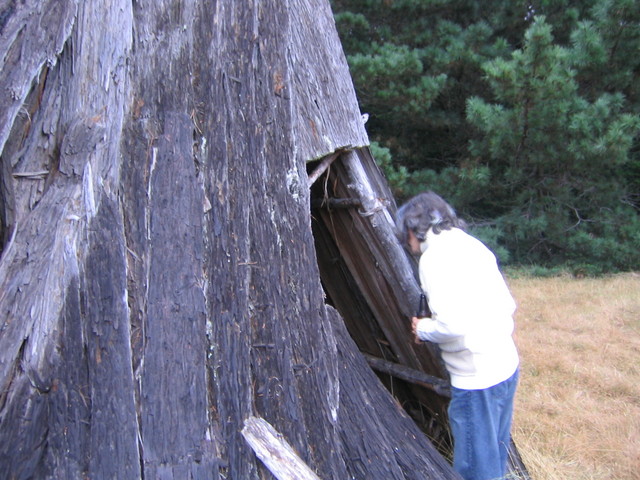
422, 212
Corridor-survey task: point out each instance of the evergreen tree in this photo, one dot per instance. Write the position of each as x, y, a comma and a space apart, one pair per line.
414, 63
545, 163
606, 46
556, 159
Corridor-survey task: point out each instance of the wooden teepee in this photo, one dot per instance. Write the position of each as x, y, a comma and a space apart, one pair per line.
160, 293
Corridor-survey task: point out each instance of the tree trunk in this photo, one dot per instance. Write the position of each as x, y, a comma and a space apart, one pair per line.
158, 278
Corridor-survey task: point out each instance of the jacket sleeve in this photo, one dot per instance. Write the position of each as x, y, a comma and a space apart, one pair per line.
464, 297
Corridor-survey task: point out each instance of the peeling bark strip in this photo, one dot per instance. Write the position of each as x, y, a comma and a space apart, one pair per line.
173, 381
108, 335
161, 282
281, 460
32, 35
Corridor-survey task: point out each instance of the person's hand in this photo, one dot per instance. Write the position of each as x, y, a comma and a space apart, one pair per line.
414, 329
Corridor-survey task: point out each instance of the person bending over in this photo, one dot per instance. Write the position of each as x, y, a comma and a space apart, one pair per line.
472, 322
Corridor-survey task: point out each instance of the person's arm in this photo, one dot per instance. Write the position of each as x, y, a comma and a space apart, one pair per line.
450, 291
435, 330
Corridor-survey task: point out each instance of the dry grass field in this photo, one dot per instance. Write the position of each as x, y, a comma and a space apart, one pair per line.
578, 404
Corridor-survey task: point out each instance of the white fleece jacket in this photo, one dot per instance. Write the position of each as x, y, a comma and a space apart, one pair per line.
472, 310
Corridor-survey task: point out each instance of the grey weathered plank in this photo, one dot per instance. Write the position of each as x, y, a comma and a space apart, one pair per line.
318, 71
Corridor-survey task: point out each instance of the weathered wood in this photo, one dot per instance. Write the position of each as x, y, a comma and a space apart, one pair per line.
173, 374
359, 252
281, 460
159, 284
373, 283
335, 203
407, 453
438, 385
317, 74
32, 35
158, 277
322, 167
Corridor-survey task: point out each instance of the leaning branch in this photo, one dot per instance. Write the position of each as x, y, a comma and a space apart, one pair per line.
334, 203
438, 385
322, 167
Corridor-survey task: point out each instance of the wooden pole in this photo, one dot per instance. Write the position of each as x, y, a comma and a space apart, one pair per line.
438, 385
333, 203
324, 164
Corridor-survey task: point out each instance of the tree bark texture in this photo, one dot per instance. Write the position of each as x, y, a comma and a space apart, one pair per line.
158, 278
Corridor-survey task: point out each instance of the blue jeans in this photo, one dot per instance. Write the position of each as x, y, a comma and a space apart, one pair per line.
481, 427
